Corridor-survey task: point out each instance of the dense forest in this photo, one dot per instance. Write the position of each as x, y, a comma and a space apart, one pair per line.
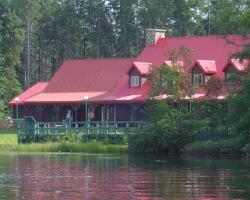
36, 36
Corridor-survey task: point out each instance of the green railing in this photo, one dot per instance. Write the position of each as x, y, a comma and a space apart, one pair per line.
30, 131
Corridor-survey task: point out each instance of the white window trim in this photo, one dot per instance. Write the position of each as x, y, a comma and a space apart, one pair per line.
197, 75
135, 81
207, 78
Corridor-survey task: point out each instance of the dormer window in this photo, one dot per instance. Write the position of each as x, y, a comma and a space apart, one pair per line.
235, 70
202, 71
197, 79
137, 73
232, 77
135, 81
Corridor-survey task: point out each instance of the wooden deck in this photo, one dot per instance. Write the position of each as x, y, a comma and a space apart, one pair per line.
29, 131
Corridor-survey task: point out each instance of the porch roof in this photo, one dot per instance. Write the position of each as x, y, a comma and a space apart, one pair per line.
32, 91
78, 98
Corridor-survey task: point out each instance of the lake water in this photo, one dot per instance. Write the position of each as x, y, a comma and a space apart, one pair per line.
105, 177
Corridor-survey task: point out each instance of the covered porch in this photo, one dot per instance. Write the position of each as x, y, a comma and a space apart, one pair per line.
79, 113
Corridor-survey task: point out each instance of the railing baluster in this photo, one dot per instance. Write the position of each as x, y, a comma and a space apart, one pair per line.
51, 131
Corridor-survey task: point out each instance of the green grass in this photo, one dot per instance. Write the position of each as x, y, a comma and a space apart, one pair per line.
8, 143
8, 137
91, 147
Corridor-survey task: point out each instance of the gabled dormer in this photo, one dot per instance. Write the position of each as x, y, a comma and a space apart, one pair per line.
137, 73
202, 71
235, 69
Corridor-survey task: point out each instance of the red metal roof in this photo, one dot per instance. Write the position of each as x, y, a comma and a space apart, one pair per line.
34, 90
63, 97
95, 78
142, 67
217, 48
207, 66
106, 80
90, 75
240, 65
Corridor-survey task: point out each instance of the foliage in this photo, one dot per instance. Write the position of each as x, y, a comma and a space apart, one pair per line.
240, 104
214, 86
65, 147
227, 16
11, 40
58, 30
167, 80
233, 145
212, 114
170, 79
239, 101
170, 129
8, 143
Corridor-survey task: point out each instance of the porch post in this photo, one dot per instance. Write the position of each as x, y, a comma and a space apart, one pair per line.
25, 109
40, 111
57, 108
76, 108
115, 113
102, 113
107, 113
134, 108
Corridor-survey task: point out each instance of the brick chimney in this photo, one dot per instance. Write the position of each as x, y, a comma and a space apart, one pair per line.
153, 35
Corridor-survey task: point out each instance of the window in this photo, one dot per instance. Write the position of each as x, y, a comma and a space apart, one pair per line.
134, 81
232, 77
197, 79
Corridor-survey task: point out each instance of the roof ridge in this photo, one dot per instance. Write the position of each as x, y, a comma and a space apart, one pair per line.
202, 36
142, 62
99, 59
41, 82
204, 60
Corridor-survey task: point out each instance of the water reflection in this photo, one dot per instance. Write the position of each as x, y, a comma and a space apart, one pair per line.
75, 176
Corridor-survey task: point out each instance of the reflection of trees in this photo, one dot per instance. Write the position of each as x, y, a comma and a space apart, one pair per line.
88, 177
100, 177
197, 177
8, 188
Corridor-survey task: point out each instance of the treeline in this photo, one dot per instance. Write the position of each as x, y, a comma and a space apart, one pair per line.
38, 35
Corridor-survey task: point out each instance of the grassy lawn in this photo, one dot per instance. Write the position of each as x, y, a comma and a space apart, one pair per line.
8, 137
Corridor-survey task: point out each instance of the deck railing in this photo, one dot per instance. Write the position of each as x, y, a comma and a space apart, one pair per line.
77, 131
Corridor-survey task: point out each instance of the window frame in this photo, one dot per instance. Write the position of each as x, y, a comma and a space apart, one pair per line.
194, 79
134, 81
232, 77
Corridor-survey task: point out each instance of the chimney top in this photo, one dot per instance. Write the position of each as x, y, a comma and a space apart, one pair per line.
153, 35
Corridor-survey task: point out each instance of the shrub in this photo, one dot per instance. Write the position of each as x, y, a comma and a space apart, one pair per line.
171, 127
226, 146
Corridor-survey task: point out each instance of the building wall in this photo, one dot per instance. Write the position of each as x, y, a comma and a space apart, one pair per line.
57, 113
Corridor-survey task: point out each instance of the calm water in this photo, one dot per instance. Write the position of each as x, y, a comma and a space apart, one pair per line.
76, 176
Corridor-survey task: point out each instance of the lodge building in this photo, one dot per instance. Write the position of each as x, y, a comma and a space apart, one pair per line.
115, 89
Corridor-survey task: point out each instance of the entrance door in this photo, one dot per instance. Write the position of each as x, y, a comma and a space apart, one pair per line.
108, 113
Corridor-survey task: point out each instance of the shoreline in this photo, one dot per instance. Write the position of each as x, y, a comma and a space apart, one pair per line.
64, 147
